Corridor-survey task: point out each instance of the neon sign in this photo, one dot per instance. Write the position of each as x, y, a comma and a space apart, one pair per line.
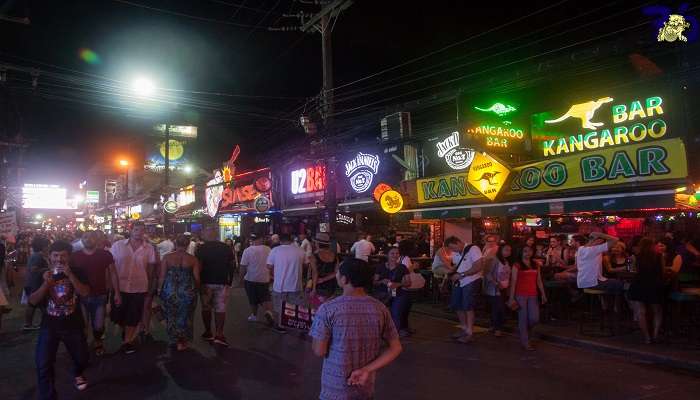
308, 180
499, 109
497, 135
673, 29
637, 113
457, 158
391, 202
361, 171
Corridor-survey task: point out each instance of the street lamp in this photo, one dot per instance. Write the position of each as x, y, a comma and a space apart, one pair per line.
125, 163
188, 169
143, 87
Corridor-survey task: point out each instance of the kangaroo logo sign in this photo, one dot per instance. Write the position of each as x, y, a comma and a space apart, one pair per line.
361, 171
487, 175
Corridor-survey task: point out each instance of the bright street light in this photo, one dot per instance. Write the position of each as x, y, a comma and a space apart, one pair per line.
188, 169
124, 163
143, 87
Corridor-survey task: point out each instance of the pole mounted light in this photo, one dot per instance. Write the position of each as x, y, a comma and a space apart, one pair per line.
143, 87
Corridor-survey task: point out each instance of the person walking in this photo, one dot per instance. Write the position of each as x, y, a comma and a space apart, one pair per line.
165, 246
389, 278
135, 262
355, 336
286, 262
97, 265
496, 280
526, 279
647, 290
62, 320
178, 281
36, 266
256, 278
216, 261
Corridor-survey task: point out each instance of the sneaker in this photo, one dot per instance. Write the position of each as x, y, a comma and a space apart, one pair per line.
208, 336
29, 328
252, 318
80, 383
221, 340
269, 318
129, 348
279, 329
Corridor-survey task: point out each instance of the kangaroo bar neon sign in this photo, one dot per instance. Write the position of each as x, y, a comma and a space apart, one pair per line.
361, 171
637, 113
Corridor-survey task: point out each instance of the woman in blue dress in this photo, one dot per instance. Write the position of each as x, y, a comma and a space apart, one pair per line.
179, 283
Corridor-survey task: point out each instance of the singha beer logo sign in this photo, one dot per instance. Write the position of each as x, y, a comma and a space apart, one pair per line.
457, 158
673, 29
361, 171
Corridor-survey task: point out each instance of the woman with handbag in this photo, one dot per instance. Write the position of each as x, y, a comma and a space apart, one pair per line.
526, 279
389, 278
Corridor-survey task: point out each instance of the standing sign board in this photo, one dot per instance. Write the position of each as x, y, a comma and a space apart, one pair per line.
8, 223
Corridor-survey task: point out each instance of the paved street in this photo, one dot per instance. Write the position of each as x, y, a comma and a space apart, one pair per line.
264, 365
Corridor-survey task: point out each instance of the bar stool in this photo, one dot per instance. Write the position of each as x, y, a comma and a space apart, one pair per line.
604, 329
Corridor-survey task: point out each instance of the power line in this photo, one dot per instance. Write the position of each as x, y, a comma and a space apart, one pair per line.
450, 46
179, 14
262, 20
240, 6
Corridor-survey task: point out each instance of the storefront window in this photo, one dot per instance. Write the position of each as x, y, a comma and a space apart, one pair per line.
229, 226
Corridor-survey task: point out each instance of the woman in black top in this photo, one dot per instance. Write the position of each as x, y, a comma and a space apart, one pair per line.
323, 272
647, 289
389, 280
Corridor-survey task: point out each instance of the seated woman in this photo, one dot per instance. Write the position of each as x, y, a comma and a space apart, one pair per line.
443, 263
617, 260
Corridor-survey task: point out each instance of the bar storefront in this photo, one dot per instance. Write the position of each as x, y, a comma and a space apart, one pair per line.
608, 162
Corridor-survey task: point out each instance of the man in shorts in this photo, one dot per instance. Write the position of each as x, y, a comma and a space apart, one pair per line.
256, 278
286, 262
135, 262
216, 259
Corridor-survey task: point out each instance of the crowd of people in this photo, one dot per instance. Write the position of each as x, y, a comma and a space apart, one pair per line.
362, 306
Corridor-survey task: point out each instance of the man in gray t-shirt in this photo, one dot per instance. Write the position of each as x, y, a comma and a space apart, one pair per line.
350, 332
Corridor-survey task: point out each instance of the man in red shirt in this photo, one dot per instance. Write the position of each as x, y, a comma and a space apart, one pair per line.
97, 265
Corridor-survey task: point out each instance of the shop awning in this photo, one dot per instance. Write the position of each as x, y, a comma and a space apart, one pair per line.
605, 202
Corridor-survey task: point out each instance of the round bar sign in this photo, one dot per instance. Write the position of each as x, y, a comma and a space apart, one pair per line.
170, 206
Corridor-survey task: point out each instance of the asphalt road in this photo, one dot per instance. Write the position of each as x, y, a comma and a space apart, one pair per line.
264, 365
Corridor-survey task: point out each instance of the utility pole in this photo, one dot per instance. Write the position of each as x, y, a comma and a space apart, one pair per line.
166, 176
323, 23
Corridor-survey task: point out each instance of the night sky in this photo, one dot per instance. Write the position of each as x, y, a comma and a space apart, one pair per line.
263, 77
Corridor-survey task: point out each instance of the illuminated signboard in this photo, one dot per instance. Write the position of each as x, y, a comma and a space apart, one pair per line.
673, 28
488, 175
498, 126
177, 131
213, 192
307, 183
46, 197
361, 171
457, 158
185, 196
155, 160
250, 191
92, 196
344, 219
599, 123
391, 201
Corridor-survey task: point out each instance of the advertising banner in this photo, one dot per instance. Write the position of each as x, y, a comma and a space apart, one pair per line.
643, 162
8, 223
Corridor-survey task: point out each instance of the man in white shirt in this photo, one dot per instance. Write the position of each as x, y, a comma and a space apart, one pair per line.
306, 246
363, 247
469, 273
256, 278
165, 246
589, 262
135, 262
286, 262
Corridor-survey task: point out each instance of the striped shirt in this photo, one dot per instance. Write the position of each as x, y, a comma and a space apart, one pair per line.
356, 327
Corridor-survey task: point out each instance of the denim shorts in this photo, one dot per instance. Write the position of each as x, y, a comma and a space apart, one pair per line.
94, 307
464, 297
